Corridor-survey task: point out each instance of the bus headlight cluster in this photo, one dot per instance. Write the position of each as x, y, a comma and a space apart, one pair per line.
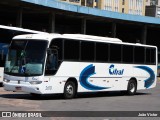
35, 82
5, 80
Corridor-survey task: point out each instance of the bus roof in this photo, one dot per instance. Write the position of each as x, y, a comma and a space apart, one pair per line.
91, 37
20, 29
49, 37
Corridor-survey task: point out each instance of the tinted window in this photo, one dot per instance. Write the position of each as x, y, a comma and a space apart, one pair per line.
102, 52
148, 56
153, 56
115, 53
87, 51
139, 55
54, 56
71, 50
57, 44
127, 54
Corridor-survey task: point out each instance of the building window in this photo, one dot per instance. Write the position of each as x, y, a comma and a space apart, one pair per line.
116, 9
74, 0
122, 10
123, 2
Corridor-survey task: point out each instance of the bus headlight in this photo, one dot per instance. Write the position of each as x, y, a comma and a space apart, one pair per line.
5, 80
35, 82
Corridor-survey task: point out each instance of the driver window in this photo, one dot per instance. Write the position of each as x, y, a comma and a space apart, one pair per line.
54, 56
51, 63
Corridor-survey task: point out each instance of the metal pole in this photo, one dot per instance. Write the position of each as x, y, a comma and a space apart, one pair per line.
114, 29
19, 17
52, 23
83, 26
144, 34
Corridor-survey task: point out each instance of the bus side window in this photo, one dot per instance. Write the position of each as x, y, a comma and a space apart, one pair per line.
54, 56
51, 61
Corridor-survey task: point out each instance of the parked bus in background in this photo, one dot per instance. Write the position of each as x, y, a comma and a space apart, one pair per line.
73, 63
6, 35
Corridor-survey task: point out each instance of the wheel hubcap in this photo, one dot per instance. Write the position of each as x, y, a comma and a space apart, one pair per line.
69, 89
132, 87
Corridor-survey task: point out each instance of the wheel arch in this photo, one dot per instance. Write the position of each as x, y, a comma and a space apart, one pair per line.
74, 80
133, 78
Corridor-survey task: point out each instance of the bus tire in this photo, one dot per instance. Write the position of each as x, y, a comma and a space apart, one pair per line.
132, 87
35, 95
69, 90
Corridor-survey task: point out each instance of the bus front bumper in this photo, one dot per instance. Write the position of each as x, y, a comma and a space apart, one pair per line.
22, 88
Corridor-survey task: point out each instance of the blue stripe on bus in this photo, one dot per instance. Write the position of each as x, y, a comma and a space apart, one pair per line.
85, 74
149, 81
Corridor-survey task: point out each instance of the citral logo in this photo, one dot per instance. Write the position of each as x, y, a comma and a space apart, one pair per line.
115, 71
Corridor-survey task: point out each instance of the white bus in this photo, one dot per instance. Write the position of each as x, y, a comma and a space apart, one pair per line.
73, 63
6, 35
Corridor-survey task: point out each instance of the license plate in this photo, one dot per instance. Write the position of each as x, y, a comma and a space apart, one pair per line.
18, 88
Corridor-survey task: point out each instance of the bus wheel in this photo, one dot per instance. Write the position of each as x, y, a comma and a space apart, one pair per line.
69, 90
132, 87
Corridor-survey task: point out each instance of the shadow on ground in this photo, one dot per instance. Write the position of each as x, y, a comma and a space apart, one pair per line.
60, 96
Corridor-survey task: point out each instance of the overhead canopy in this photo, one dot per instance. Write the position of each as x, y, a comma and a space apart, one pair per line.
94, 11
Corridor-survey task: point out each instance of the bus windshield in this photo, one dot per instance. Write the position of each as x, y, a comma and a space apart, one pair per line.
26, 58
